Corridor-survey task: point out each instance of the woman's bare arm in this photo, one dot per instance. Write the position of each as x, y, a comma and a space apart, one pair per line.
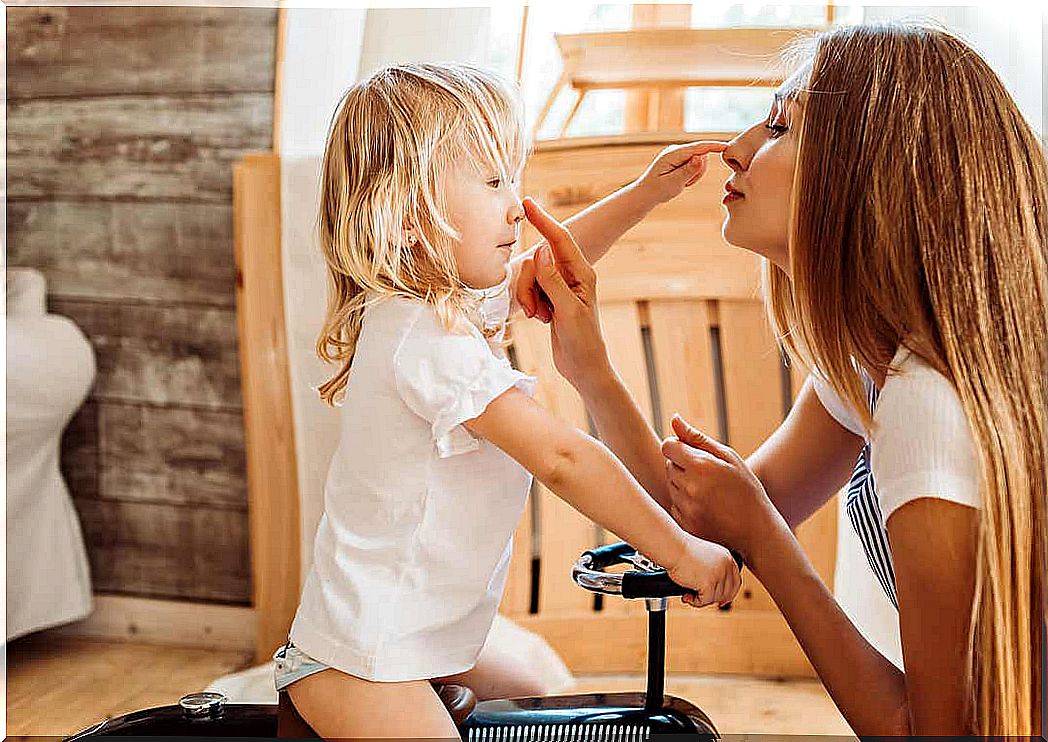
933, 549
808, 458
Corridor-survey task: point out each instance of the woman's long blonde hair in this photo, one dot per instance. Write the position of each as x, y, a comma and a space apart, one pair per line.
392, 141
920, 215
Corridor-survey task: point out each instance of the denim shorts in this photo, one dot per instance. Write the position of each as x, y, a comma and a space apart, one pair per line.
293, 664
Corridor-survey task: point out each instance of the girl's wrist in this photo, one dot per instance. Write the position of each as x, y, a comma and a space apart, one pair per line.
644, 195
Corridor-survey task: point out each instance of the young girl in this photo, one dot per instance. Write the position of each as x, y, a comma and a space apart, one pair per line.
440, 437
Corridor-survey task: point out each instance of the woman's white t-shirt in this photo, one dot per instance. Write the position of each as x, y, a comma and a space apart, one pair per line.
921, 445
412, 550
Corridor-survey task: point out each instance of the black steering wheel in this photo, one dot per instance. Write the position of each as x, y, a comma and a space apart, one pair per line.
648, 581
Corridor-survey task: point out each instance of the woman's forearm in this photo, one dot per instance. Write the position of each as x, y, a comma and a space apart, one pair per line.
622, 428
868, 689
597, 227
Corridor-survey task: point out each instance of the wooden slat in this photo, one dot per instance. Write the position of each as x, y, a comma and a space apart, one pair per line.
657, 109
676, 253
818, 536
133, 147
68, 51
677, 57
680, 336
179, 456
752, 375
167, 551
167, 623
157, 252
706, 640
269, 436
621, 325
564, 532
516, 600
79, 452
160, 354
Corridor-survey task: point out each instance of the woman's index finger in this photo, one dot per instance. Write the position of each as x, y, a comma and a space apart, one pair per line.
557, 235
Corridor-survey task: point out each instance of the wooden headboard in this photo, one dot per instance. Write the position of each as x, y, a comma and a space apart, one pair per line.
686, 328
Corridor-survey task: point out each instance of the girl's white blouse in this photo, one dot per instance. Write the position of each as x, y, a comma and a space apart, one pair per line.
412, 550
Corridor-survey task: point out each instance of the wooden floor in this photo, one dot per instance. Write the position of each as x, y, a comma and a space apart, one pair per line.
57, 685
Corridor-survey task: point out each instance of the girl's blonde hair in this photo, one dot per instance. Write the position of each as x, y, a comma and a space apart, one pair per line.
920, 215
391, 143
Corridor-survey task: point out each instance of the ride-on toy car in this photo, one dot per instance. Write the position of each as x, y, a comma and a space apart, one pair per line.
578, 717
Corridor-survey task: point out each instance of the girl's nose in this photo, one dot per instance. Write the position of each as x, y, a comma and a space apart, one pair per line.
516, 212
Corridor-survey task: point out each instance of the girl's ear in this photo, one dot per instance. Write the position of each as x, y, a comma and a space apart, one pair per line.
410, 236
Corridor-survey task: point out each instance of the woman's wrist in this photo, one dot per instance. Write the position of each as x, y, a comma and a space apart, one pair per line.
597, 379
768, 544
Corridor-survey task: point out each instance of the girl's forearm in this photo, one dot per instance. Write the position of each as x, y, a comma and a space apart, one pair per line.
622, 427
868, 689
596, 228
590, 479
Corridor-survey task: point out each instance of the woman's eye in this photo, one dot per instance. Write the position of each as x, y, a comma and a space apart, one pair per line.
777, 130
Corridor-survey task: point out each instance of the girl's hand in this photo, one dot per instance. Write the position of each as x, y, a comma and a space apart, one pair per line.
676, 168
713, 493
709, 570
570, 286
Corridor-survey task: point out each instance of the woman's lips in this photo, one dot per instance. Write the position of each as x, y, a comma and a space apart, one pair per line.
732, 195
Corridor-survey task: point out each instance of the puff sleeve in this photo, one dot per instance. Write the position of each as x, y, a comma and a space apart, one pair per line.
448, 378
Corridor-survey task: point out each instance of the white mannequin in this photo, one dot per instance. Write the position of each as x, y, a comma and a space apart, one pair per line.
50, 367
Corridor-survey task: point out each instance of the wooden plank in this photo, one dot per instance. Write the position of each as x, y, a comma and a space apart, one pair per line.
179, 456
680, 336
676, 253
269, 434
165, 252
71, 51
752, 375
621, 325
180, 355
753, 401
80, 452
756, 643
818, 536
564, 532
647, 109
167, 551
133, 147
167, 623
678, 57
516, 600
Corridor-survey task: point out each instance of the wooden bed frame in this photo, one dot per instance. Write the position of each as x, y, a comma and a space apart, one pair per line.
687, 331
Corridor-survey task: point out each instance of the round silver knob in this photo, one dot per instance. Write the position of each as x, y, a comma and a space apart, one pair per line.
202, 704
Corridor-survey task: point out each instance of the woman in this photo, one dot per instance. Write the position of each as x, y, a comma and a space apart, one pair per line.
901, 204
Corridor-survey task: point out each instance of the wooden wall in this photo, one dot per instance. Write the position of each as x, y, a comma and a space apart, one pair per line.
123, 124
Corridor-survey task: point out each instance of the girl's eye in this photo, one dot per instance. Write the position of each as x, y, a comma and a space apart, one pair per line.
495, 182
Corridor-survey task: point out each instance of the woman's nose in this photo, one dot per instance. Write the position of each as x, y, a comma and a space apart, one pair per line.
739, 152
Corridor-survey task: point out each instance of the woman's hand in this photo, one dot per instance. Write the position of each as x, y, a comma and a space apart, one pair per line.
570, 287
676, 168
713, 493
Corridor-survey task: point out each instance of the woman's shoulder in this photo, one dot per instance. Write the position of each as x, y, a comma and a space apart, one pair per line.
922, 445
